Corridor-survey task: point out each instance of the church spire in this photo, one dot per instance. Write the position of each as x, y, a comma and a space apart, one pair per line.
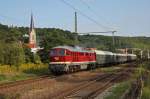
32, 22
32, 34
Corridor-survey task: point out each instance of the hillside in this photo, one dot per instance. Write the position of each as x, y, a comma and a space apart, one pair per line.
50, 37
105, 42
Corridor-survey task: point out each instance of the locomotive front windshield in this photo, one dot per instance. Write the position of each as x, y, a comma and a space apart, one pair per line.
60, 52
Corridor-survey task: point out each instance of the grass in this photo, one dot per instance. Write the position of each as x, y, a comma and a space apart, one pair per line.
11, 78
11, 96
37, 69
144, 68
146, 93
118, 90
2, 77
107, 69
10, 74
146, 88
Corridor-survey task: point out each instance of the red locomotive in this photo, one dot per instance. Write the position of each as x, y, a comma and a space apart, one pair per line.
70, 59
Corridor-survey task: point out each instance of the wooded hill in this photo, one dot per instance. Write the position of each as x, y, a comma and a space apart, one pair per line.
12, 39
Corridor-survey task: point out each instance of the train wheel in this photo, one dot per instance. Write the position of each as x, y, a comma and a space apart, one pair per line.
79, 68
71, 69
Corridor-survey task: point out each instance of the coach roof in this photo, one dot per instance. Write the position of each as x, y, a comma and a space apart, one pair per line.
103, 52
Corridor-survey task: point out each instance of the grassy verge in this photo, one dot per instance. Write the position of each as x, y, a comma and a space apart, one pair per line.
146, 81
15, 77
118, 90
146, 93
10, 74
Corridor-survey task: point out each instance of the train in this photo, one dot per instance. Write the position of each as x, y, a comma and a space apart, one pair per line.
75, 58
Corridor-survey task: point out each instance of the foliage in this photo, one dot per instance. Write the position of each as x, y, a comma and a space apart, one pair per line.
9, 74
146, 65
146, 88
12, 54
11, 50
51, 37
146, 93
6, 69
146, 81
28, 55
118, 90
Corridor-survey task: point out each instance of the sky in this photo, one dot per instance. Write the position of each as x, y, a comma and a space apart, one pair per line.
127, 17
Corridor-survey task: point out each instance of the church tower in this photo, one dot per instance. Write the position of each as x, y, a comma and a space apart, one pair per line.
32, 34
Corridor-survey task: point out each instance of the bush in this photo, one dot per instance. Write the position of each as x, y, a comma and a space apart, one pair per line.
119, 90
146, 93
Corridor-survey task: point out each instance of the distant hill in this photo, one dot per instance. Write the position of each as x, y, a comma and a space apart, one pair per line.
105, 42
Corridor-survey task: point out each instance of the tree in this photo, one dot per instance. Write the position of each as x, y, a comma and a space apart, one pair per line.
13, 54
1, 53
36, 59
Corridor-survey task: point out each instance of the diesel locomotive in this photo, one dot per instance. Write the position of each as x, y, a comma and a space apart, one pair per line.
74, 58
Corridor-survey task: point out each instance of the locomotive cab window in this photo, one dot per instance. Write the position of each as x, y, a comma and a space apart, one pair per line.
53, 53
62, 52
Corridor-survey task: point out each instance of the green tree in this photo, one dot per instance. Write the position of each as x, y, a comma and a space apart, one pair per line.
1, 53
14, 54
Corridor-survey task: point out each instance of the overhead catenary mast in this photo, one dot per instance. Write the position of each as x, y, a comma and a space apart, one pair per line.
76, 22
76, 27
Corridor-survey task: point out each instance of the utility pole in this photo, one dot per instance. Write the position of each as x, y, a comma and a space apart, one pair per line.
76, 28
75, 22
113, 38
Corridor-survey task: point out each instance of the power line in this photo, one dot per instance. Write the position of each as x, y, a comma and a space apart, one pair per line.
90, 8
83, 2
83, 14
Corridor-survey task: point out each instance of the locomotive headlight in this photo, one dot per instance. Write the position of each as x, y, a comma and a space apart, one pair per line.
56, 58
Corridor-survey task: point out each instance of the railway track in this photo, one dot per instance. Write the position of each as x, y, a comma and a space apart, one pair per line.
90, 89
22, 82
85, 88
79, 87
